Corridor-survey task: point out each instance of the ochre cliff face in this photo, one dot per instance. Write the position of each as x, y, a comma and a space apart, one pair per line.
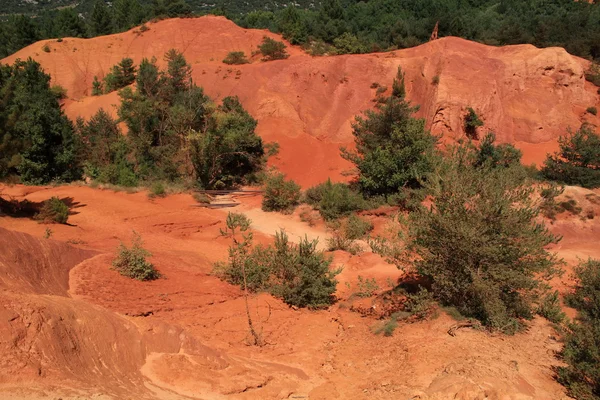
527, 96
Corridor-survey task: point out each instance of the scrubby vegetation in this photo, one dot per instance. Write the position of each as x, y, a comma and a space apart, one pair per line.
53, 210
132, 263
236, 58
334, 200
578, 160
298, 274
582, 342
272, 49
472, 122
479, 245
280, 194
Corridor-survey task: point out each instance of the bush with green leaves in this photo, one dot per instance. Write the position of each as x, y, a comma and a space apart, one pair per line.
53, 210
59, 92
593, 74
120, 75
105, 151
472, 122
339, 241
175, 131
280, 194
393, 149
592, 110
581, 351
489, 154
299, 274
37, 143
236, 58
157, 189
366, 287
356, 227
132, 263
334, 200
480, 246
272, 49
550, 308
97, 87
578, 160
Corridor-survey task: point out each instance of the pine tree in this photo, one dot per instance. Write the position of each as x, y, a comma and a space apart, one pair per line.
393, 149
101, 20
36, 137
96, 87
179, 72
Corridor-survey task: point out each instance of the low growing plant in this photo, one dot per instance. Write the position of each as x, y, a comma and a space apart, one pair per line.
53, 210
132, 262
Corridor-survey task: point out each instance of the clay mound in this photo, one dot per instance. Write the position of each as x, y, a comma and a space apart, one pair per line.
527, 96
37, 266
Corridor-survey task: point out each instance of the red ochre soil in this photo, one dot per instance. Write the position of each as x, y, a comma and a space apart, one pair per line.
527, 96
73, 328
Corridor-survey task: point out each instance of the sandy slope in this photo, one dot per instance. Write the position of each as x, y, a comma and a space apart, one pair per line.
527, 96
185, 334
71, 327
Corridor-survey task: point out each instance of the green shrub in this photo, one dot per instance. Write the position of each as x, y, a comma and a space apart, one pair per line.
578, 160
339, 241
407, 199
280, 195
271, 49
120, 75
480, 246
157, 190
435, 80
420, 304
334, 200
366, 287
393, 149
592, 110
236, 58
356, 227
472, 122
380, 90
46, 49
132, 263
54, 210
388, 327
97, 87
202, 198
581, 351
298, 274
59, 91
593, 74
570, 206
550, 309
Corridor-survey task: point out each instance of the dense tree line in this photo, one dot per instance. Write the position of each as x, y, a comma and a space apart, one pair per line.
358, 26
339, 26
22, 30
